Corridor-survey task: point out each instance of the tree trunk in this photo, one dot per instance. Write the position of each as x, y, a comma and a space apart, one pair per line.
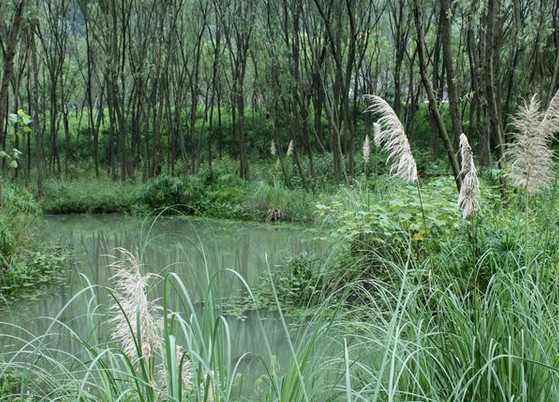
8, 72
433, 108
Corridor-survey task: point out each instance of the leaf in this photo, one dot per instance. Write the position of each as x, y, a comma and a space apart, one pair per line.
13, 164
4, 155
24, 117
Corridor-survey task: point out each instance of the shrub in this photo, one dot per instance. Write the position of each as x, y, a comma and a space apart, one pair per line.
89, 196
163, 191
17, 214
7, 242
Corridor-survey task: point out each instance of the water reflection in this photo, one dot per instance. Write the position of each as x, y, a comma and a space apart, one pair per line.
199, 251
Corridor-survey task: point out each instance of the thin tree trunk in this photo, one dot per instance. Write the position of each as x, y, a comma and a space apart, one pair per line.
433, 108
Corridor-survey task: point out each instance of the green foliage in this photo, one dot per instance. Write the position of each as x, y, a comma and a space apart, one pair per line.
294, 205
170, 192
33, 269
8, 243
25, 264
89, 196
297, 284
393, 208
13, 383
19, 211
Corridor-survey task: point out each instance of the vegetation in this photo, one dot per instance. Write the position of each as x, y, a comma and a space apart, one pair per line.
25, 264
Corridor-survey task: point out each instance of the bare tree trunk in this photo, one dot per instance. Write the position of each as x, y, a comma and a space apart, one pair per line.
433, 108
8, 72
38, 130
446, 15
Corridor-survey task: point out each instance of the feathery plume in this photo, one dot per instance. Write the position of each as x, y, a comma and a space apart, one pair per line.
273, 149
131, 292
290, 148
376, 134
550, 123
468, 200
530, 156
366, 149
392, 137
186, 371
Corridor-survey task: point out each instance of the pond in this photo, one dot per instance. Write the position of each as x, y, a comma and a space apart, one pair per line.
195, 249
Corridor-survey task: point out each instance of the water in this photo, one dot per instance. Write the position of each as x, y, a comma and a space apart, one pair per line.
195, 249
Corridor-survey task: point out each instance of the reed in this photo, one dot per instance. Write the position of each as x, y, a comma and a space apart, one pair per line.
391, 136
468, 200
530, 155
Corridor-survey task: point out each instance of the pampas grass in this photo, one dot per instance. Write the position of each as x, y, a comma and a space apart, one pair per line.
391, 136
550, 123
366, 150
530, 156
468, 200
273, 150
290, 149
136, 325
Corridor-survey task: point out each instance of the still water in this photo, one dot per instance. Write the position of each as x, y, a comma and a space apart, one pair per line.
195, 249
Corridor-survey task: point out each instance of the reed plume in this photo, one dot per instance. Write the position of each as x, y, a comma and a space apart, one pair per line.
376, 134
186, 372
135, 319
468, 200
273, 150
550, 123
530, 155
391, 136
366, 149
290, 148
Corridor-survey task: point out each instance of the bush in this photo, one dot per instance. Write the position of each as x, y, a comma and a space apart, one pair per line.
7, 242
173, 193
292, 205
18, 212
89, 196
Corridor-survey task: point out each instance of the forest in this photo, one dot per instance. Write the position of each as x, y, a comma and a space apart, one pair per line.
279, 200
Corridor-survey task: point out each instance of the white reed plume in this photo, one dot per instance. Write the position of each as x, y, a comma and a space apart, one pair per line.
530, 155
186, 371
550, 123
131, 293
468, 200
376, 134
392, 137
366, 149
273, 149
290, 148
